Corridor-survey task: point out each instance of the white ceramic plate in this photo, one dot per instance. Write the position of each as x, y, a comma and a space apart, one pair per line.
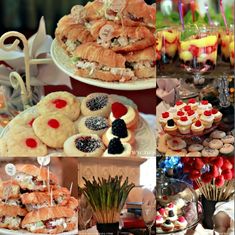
63, 62
145, 145
23, 232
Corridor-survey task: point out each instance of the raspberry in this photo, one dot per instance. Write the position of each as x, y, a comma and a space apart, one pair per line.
187, 108
165, 115
179, 102
214, 111
191, 101
190, 112
118, 109
204, 102
180, 113
207, 113
198, 123
184, 119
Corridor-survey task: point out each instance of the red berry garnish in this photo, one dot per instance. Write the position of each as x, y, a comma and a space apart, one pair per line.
53, 123
184, 119
214, 111
228, 175
198, 163
214, 171
59, 104
179, 102
219, 181
165, 115
162, 211
31, 122
204, 102
217, 161
206, 177
175, 142
194, 174
198, 123
118, 109
227, 165
180, 113
191, 101
207, 113
31, 143
181, 219
190, 112
187, 108
158, 217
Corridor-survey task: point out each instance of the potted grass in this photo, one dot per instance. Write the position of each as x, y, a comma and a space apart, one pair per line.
107, 198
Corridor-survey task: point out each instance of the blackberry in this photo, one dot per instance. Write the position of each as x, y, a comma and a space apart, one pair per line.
119, 128
87, 144
167, 221
171, 213
115, 146
170, 122
97, 103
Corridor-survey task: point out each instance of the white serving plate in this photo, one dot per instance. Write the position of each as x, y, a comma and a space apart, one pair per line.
4, 231
145, 145
64, 62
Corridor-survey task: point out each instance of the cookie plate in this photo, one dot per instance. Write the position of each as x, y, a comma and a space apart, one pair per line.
64, 62
4, 231
145, 145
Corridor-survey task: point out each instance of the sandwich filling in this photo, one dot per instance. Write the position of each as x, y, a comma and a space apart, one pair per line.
93, 66
10, 221
12, 202
71, 44
140, 64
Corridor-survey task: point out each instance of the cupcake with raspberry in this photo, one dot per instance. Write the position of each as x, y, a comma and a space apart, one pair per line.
203, 106
197, 128
181, 223
170, 127
207, 119
164, 118
187, 108
162, 211
171, 207
167, 226
217, 115
179, 104
178, 115
193, 103
192, 115
159, 221
184, 125
172, 216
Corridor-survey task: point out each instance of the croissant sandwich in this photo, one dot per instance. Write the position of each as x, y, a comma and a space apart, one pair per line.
10, 216
50, 220
9, 189
32, 178
94, 61
123, 38
70, 35
142, 62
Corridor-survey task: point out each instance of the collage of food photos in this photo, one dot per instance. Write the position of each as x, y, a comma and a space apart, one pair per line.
117, 117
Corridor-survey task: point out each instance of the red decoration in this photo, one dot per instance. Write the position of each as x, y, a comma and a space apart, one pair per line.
184, 119
31, 143
227, 174
31, 122
204, 102
198, 164
118, 110
227, 165
218, 161
214, 111
207, 113
191, 101
194, 174
180, 102
219, 181
206, 177
198, 123
53, 123
59, 103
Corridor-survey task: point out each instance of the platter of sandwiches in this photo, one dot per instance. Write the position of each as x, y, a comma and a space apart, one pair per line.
32, 202
108, 44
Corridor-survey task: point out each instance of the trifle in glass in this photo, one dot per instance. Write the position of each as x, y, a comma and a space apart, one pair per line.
226, 39
198, 48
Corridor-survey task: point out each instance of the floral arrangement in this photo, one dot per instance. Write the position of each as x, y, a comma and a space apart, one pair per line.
213, 176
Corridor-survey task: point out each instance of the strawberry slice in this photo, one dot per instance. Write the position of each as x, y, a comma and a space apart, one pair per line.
118, 109
194, 50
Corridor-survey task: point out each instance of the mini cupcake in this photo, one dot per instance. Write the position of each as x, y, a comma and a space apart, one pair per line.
187, 108
192, 115
171, 207
197, 128
162, 211
193, 103
181, 223
164, 118
172, 216
178, 115
184, 125
207, 119
159, 221
179, 104
167, 226
170, 127
203, 106
217, 115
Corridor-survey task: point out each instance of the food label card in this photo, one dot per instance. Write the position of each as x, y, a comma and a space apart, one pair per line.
106, 32
118, 5
10, 169
43, 161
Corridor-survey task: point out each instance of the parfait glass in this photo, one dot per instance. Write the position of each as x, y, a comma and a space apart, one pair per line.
231, 51
198, 50
226, 37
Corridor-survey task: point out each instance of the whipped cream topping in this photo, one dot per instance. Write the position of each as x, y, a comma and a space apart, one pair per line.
205, 106
184, 123
207, 118
197, 127
128, 117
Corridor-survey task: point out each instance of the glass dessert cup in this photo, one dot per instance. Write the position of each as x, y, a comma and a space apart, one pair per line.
198, 50
231, 51
226, 39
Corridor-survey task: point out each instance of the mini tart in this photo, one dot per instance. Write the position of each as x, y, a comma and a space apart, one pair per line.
209, 152
181, 223
227, 149
60, 102
195, 147
216, 144
84, 145
164, 118
179, 104
176, 143
93, 125
193, 103
203, 106
159, 220
170, 127
96, 104
197, 128
107, 136
217, 115
207, 119
130, 117
167, 226
217, 134
229, 139
194, 154
184, 124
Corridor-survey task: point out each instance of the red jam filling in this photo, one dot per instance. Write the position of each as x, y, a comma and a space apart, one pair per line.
53, 123
31, 143
184, 119
214, 111
31, 122
180, 102
204, 102
207, 113
180, 113
118, 109
191, 101
198, 123
181, 219
59, 104
165, 115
